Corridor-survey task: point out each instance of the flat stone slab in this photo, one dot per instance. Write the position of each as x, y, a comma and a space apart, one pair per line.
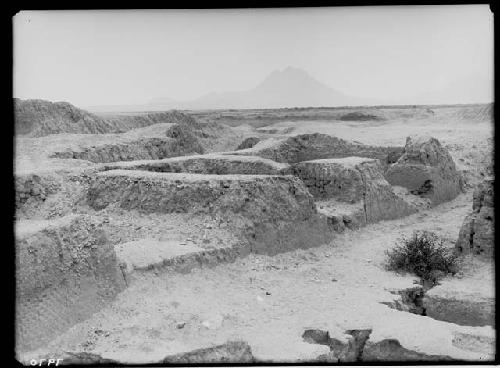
25, 228
464, 302
147, 253
350, 162
467, 299
219, 164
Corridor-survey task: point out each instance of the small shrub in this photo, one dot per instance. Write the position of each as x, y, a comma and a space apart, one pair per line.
424, 255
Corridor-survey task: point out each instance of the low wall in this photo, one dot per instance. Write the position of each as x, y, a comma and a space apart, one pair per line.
140, 149
306, 147
274, 213
65, 271
206, 164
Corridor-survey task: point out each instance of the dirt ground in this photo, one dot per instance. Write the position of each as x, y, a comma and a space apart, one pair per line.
268, 301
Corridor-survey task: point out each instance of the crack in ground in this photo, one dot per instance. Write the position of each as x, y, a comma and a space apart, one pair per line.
411, 300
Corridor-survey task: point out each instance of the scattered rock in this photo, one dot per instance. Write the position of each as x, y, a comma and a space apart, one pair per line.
360, 349
230, 352
85, 358
339, 351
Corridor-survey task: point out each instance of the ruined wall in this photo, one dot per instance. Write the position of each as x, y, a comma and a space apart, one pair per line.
184, 138
38, 118
332, 178
426, 169
476, 235
65, 271
177, 192
49, 194
275, 213
380, 200
306, 147
140, 149
206, 164
353, 180
34, 188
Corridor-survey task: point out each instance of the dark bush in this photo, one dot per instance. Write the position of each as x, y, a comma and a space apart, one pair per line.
424, 255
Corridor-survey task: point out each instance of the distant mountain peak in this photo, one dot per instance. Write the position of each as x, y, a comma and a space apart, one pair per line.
287, 87
290, 78
293, 70
290, 72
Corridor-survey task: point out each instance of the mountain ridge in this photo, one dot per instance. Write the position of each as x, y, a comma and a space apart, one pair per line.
289, 87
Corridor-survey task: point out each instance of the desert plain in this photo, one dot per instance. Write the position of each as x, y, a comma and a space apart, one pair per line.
246, 235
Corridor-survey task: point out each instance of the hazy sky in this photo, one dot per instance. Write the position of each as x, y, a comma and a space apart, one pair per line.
124, 57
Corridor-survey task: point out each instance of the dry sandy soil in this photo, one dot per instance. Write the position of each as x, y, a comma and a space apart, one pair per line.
269, 301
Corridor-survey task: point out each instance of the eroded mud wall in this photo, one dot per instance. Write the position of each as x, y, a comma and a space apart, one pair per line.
65, 271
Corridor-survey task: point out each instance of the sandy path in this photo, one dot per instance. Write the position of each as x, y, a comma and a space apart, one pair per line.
269, 301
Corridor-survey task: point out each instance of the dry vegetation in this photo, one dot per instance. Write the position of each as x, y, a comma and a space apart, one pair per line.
199, 237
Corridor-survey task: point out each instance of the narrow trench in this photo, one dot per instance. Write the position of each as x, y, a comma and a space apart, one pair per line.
360, 349
468, 314
411, 300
